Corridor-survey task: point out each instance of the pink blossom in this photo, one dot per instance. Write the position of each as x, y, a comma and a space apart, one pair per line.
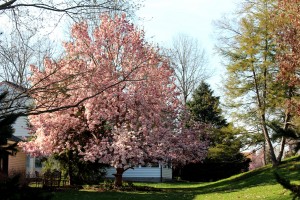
133, 116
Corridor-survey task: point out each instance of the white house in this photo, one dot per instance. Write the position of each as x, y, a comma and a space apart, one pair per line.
158, 173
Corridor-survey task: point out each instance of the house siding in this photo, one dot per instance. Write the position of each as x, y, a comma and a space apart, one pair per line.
17, 163
20, 127
152, 174
167, 173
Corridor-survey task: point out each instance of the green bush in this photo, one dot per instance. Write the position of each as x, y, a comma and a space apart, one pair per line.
213, 169
11, 189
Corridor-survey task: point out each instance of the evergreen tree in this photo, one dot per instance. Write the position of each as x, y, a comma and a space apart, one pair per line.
6, 129
225, 144
224, 158
10, 186
205, 107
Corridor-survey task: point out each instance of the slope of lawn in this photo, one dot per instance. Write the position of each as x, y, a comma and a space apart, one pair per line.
257, 184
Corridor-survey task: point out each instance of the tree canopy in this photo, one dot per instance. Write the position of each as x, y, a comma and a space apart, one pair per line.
252, 90
134, 121
225, 140
205, 107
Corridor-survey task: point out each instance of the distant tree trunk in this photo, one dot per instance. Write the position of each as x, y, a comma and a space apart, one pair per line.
70, 168
265, 154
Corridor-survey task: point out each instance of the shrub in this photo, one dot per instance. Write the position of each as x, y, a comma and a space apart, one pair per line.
11, 189
213, 169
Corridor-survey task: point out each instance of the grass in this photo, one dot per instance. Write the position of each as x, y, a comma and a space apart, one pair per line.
257, 184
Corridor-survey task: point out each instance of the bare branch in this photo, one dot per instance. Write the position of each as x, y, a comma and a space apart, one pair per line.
7, 4
189, 61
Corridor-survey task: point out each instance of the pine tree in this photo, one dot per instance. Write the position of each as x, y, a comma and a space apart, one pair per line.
6, 122
205, 107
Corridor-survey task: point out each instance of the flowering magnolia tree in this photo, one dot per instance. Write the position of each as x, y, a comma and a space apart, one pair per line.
127, 110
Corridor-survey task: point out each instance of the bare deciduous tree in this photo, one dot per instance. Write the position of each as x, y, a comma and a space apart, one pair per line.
46, 15
18, 53
188, 60
69, 7
25, 29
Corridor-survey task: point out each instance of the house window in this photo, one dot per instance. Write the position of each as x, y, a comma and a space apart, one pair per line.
28, 162
38, 163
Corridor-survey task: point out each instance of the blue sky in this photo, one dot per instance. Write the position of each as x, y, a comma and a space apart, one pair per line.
164, 19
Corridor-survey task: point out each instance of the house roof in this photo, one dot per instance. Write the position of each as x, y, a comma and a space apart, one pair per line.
13, 85
11, 142
15, 139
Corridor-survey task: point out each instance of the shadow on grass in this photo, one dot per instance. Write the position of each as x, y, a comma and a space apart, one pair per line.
26, 193
90, 195
260, 177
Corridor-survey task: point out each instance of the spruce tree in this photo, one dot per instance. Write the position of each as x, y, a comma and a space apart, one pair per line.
205, 107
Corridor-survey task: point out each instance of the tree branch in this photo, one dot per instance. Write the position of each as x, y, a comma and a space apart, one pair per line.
7, 5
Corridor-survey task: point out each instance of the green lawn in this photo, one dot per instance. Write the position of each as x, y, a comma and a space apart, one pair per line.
258, 184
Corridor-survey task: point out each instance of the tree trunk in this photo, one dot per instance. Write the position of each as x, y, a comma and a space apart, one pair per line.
283, 140
269, 143
287, 120
282, 145
264, 154
261, 104
119, 177
70, 168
